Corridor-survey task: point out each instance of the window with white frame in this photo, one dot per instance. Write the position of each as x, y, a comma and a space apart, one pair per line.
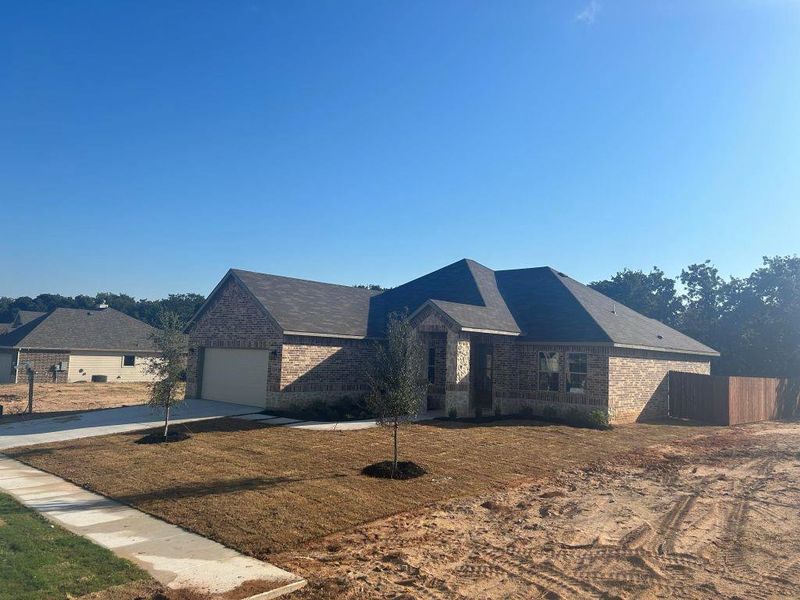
129, 360
577, 371
548, 371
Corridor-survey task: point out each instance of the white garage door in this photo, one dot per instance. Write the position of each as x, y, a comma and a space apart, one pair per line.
6, 371
235, 375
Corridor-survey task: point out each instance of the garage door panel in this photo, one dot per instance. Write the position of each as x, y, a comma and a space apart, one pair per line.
235, 375
6, 370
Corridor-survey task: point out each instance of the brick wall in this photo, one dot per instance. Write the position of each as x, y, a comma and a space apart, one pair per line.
233, 320
43, 362
517, 378
637, 387
435, 341
318, 368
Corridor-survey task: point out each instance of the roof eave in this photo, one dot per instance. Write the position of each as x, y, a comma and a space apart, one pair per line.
710, 352
491, 331
45, 349
346, 336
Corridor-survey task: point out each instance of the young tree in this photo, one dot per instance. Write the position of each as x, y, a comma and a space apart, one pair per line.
395, 377
168, 366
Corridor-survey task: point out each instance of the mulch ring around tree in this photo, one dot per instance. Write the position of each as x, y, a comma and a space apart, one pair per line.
157, 437
383, 469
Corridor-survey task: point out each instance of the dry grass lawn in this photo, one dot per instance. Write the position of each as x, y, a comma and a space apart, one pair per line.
51, 398
263, 489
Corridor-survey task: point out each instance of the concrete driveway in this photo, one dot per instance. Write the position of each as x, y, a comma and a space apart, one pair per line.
111, 420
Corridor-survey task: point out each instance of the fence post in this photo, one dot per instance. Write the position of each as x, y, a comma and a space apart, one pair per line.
30, 390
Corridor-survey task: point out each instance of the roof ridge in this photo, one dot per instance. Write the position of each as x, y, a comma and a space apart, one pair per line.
341, 285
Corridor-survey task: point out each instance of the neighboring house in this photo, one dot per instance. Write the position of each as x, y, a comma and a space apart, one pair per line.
23, 317
498, 341
71, 344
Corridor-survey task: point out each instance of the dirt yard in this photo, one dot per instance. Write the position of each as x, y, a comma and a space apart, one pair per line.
49, 398
264, 489
715, 517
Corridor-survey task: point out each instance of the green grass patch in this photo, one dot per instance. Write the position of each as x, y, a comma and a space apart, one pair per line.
41, 561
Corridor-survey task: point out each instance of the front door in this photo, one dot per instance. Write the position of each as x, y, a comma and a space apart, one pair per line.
482, 375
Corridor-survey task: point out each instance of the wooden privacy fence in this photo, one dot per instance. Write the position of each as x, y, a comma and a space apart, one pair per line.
732, 400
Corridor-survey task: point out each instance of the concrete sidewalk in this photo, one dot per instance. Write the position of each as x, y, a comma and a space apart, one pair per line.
173, 556
265, 419
110, 420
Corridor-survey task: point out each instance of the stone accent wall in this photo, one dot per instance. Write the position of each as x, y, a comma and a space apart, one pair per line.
43, 363
457, 399
326, 369
638, 382
233, 320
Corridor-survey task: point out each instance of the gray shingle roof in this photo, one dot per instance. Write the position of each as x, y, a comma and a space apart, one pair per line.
539, 304
549, 306
299, 305
81, 329
465, 290
26, 316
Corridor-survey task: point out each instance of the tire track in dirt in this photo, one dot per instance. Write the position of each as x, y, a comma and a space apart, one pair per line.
737, 565
544, 575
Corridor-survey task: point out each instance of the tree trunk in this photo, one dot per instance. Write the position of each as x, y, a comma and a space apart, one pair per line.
394, 459
166, 422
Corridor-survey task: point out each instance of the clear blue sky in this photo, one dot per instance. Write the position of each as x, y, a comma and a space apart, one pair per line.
148, 146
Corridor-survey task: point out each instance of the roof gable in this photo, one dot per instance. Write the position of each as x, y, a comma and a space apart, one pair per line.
465, 290
24, 317
302, 306
81, 329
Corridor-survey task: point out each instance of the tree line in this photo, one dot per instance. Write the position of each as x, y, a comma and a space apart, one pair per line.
753, 321
149, 311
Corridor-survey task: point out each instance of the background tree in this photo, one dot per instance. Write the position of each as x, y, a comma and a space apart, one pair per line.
759, 329
395, 377
705, 300
652, 294
167, 368
149, 311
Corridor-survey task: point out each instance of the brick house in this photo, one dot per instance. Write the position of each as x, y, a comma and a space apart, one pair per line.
71, 345
498, 341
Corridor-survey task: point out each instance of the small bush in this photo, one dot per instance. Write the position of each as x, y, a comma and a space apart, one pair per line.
345, 409
597, 419
574, 416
